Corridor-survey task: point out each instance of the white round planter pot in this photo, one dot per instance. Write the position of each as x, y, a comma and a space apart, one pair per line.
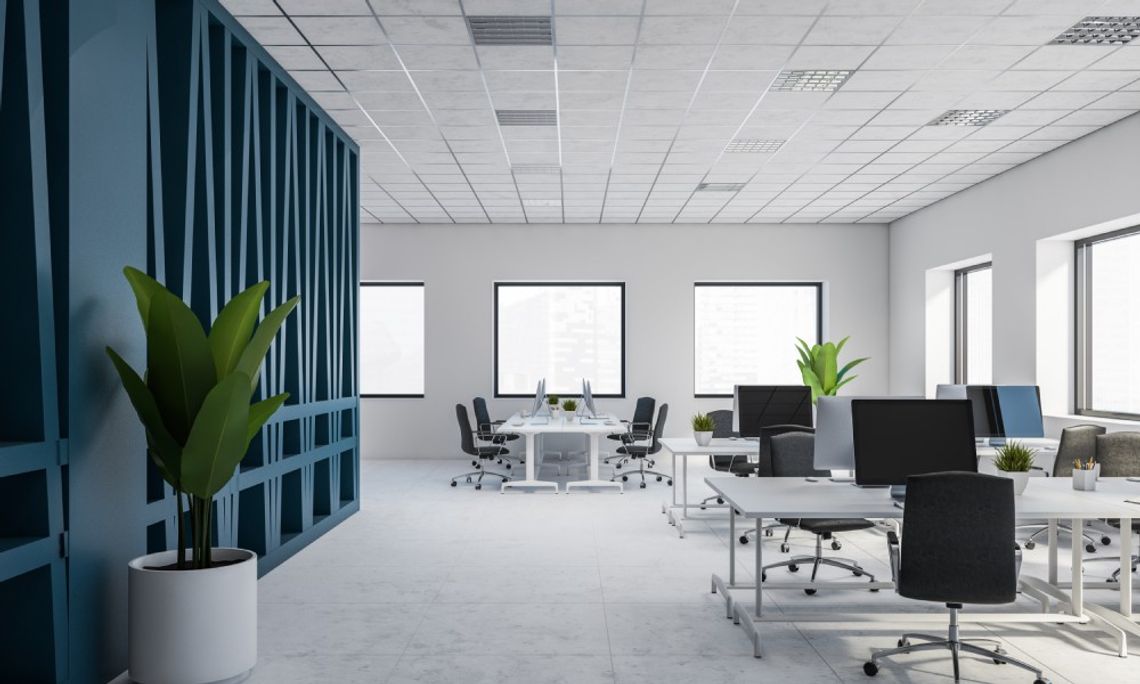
192, 626
703, 438
1020, 481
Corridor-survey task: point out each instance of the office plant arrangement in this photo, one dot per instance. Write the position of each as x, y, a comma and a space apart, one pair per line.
1014, 460
702, 428
569, 407
819, 367
193, 615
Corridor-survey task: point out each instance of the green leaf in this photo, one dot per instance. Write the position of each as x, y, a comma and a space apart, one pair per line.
839, 346
217, 441
811, 381
164, 450
849, 366
231, 330
804, 351
144, 288
830, 363
835, 390
180, 368
251, 358
260, 412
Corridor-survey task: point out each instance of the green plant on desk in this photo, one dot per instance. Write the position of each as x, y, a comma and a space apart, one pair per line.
702, 422
552, 399
569, 406
819, 367
1014, 457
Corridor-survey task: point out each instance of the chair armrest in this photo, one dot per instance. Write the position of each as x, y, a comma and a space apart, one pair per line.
895, 553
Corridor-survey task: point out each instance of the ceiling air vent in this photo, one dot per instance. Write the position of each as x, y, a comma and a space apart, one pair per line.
810, 80
754, 145
1100, 31
527, 117
968, 117
720, 187
507, 30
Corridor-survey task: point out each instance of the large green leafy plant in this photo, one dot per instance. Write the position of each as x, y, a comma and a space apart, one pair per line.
819, 366
194, 397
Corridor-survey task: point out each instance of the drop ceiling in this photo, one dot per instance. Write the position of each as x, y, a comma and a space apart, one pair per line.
842, 111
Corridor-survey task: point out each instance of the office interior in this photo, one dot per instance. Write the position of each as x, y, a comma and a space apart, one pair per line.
584, 341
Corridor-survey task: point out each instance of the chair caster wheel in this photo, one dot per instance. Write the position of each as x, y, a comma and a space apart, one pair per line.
998, 662
763, 577
703, 508
670, 482
506, 479
478, 486
618, 466
474, 464
743, 539
1091, 548
874, 590
768, 532
643, 485
870, 669
508, 466
857, 573
835, 546
468, 480
1040, 681
784, 548
809, 592
903, 643
625, 478
1105, 541
500, 461
454, 483
720, 500
1030, 544
659, 478
793, 568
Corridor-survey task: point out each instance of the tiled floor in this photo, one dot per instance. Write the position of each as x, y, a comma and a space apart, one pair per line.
434, 584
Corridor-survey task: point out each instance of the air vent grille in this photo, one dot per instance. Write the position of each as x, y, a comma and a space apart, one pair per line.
510, 30
720, 187
527, 117
810, 80
1100, 31
968, 117
754, 145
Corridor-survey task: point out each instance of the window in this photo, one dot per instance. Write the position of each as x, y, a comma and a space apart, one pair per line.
745, 333
1108, 324
563, 332
973, 325
391, 339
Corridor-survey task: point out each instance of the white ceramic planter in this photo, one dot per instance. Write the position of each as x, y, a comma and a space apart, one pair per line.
703, 438
192, 626
1020, 481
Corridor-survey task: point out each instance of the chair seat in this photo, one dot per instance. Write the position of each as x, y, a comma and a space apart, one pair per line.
1135, 524
734, 464
492, 451
633, 451
830, 525
626, 436
497, 437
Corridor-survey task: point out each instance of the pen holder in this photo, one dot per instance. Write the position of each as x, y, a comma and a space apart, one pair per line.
1085, 480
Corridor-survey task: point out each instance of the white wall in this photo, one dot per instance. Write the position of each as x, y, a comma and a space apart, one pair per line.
1022, 218
659, 263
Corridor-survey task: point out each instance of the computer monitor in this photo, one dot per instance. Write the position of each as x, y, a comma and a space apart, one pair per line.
895, 439
950, 392
760, 406
1002, 411
834, 442
539, 398
588, 399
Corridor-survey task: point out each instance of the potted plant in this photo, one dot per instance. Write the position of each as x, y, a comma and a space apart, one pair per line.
1013, 460
552, 401
192, 617
819, 367
569, 407
702, 428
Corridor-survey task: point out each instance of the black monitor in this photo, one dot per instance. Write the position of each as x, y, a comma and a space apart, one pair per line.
897, 438
761, 406
1006, 410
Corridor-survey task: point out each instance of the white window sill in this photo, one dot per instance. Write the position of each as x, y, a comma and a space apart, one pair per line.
1096, 420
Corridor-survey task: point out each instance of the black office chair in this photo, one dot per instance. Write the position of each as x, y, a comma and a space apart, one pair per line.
468, 444
792, 456
1119, 456
763, 468
736, 464
1078, 441
958, 547
486, 429
637, 430
642, 452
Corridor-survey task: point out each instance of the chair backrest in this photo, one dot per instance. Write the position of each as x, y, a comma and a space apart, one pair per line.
1078, 441
482, 417
764, 462
659, 428
466, 439
958, 539
643, 411
722, 423
793, 454
1119, 454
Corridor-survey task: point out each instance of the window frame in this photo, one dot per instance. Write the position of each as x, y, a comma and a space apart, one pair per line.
817, 284
1082, 324
399, 283
552, 283
961, 327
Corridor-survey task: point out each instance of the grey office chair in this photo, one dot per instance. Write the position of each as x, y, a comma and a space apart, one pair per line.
763, 468
793, 454
642, 452
1078, 441
486, 431
482, 453
637, 430
1119, 456
957, 547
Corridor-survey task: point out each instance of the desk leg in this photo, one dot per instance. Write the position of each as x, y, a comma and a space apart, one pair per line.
531, 469
1053, 551
1077, 593
1126, 567
759, 574
731, 547
673, 465
595, 481
684, 486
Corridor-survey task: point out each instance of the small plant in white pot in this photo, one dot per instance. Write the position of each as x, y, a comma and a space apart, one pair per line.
1014, 460
569, 408
193, 618
702, 428
552, 402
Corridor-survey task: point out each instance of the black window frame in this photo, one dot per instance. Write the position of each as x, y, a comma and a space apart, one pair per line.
817, 284
553, 283
1083, 398
961, 328
400, 283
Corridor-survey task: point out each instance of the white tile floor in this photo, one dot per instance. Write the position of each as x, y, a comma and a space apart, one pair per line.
434, 584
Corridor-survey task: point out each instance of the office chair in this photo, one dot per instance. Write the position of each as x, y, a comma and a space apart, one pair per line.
486, 429
763, 468
957, 547
641, 453
1119, 456
482, 453
637, 430
792, 456
738, 465
1078, 441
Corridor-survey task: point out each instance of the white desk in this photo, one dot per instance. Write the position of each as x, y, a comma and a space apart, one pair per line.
1049, 498
530, 427
684, 447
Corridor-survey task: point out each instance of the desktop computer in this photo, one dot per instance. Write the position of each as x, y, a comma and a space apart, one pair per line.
588, 399
834, 443
760, 406
539, 403
1001, 411
894, 439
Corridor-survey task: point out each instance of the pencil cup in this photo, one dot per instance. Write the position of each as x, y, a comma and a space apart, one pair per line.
1084, 480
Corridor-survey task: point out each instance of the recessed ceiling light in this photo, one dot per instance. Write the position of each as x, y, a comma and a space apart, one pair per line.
968, 117
754, 145
1100, 31
720, 187
527, 117
810, 80
535, 169
510, 30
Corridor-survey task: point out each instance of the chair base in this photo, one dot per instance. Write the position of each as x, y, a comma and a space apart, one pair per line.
479, 480
955, 645
816, 561
642, 471
1090, 541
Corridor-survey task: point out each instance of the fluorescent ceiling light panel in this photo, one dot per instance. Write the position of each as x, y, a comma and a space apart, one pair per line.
527, 117
1100, 31
810, 80
720, 187
536, 170
510, 30
754, 145
968, 117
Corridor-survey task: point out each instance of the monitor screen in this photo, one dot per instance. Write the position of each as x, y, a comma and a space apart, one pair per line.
760, 406
1019, 409
895, 439
983, 402
834, 448
950, 392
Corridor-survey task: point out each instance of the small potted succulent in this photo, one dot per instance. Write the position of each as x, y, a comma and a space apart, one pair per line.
569, 407
1013, 460
702, 428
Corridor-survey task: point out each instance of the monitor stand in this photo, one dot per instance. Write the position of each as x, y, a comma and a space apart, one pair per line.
996, 441
898, 492
842, 480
